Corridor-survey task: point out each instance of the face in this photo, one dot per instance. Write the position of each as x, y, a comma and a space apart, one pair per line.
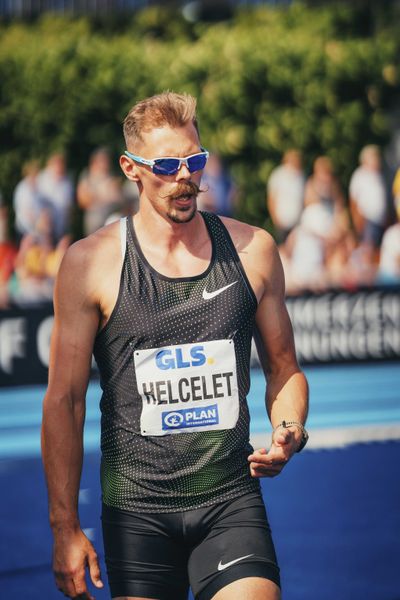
57, 164
172, 196
100, 163
293, 159
372, 160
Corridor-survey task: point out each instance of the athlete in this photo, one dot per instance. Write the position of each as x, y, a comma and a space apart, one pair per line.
168, 301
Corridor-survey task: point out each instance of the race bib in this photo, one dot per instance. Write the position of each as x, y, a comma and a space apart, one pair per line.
189, 387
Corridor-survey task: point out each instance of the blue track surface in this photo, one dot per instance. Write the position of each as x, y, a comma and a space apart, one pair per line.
341, 396
335, 514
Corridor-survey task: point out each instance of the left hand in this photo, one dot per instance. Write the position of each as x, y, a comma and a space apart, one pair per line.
269, 464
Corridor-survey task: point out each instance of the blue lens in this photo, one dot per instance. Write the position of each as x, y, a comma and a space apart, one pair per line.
197, 162
170, 166
166, 166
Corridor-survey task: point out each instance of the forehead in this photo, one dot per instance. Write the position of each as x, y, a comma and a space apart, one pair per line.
168, 141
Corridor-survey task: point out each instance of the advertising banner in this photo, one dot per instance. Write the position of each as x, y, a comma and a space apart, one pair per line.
334, 326
25, 345
342, 326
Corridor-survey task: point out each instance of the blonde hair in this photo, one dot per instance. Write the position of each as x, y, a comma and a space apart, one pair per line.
167, 108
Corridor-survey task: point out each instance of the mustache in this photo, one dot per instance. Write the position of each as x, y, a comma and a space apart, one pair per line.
188, 188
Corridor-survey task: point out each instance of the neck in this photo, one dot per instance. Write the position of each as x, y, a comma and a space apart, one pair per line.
174, 249
153, 228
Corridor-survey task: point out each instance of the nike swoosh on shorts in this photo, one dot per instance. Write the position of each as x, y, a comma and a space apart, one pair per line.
221, 567
209, 295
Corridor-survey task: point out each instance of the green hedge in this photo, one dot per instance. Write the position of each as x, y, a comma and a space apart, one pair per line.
267, 80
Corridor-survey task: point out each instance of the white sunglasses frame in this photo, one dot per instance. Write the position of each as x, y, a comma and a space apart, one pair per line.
182, 161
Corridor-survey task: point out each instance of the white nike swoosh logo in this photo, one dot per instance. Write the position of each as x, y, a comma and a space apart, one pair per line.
221, 567
209, 295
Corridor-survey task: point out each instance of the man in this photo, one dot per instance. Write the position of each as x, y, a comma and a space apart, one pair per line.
56, 190
170, 323
368, 203
99, 192
285, 194
389, 259
27, 201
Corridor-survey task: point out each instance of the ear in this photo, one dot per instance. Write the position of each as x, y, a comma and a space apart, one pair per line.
129, 168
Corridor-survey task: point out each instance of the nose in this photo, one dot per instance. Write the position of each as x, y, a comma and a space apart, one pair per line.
183, 173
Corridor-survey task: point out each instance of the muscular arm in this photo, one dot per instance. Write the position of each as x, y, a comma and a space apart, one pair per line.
287, 389
75, 326
287, 392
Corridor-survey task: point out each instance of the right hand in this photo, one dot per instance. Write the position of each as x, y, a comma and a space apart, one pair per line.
269, 464
72, 553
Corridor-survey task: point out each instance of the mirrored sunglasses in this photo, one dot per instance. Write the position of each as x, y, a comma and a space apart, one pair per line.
170, 165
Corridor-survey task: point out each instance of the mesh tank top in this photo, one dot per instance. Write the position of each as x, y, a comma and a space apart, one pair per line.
174, 369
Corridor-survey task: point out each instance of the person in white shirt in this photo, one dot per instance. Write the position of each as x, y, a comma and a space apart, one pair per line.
323, 187
27, 200
368, 203
305, 251
285, 194
389, 263
99, 191
57, 191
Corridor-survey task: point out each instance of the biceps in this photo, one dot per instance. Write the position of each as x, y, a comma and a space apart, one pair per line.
71, 351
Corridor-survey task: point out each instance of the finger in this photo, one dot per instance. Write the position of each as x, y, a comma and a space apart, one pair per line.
94, 570
267, 467
86, 595
66, 586
282, 436
81, 587
264, 472
256, 454
260, 452
64, 582
275, 456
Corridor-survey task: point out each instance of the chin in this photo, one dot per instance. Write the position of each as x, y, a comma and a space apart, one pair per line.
182, 216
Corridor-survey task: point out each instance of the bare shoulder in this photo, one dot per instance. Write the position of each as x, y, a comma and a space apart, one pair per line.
258, 253
88, 261
250, 240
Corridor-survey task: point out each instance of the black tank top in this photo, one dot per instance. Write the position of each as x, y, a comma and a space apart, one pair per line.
174, 366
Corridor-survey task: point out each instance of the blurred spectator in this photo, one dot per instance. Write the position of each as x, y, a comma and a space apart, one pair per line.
350, 264
368, 197
30, 284
27, 200
37, 264
8, 253
219, 193
130, 195
362, 264
396, 193
99, 192
323, 188
129, 204
389, 264
285, 193
55, 256
3, 215
304, 253
338, 256
57, 194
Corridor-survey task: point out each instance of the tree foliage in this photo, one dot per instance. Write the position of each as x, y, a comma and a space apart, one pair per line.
267, 80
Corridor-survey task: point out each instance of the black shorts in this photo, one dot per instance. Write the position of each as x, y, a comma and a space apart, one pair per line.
158, 555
